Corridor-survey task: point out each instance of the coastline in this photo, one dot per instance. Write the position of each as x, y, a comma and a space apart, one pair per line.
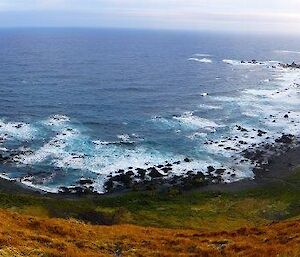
268, 158
245, 151
279, 167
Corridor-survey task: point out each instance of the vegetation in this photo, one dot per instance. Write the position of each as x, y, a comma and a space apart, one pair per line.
47, 226
172, 209
22, 235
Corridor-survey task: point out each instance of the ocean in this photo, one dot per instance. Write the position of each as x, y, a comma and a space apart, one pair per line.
85, 103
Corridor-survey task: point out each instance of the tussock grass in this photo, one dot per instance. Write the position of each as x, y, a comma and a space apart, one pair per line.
23, 235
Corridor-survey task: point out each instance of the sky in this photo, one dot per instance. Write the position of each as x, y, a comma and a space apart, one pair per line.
215, 15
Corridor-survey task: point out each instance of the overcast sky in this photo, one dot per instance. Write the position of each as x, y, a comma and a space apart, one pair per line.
229, 15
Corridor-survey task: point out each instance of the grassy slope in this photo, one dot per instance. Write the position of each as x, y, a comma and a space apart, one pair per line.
22, 235
205, 210
202, 211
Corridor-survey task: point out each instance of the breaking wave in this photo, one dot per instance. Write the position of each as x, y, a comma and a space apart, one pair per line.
203, 60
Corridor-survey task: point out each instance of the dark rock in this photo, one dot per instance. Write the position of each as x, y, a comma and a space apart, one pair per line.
285, 139
129, 173
210, 169
166, 169
64, 190
194, 180
123, 179
154, 173
220, 171
187, 160
240, 128
261, 132
141, 173
293, 65
3, 158
85, 182
18, 126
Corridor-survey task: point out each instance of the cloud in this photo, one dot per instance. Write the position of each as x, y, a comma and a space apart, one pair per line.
183, 14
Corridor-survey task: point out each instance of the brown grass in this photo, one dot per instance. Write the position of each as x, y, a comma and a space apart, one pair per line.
22, 235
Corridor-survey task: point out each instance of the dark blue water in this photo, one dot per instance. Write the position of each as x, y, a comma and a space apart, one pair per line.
93, 101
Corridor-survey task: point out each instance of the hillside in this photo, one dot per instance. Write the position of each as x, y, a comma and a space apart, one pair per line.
260, 221
22, 235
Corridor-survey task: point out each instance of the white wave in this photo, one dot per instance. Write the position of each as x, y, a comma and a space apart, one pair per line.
232, 62
17, 130
124, 137
188, 118
42, 188
100, 142
6, 177
287, 52
197, 135
57, 120
140, 157
203, 60
242, 63
250, 114
259, 92
54, 149
210, 107
202, 55
236, 141
285, 90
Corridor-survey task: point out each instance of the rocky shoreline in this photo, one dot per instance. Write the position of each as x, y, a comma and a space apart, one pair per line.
259, 156
262, 157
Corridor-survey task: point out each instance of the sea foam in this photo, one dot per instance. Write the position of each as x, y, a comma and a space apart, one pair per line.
202, 60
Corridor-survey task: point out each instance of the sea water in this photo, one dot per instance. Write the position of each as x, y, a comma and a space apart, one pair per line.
84, 103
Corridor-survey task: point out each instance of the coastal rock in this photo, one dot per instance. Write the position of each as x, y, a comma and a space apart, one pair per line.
193, 180
293, 65
187, 160
240, 128
166, 169
141, 173
154, 173
220, 171
210, 169
285, 139
3, 158
85, 181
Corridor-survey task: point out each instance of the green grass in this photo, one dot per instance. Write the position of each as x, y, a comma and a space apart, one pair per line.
202, 210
